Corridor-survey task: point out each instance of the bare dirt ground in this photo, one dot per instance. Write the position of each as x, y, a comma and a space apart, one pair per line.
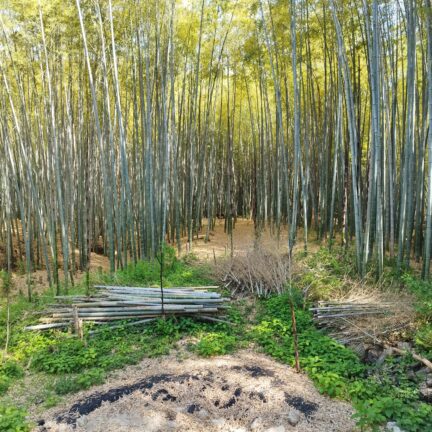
246, 391
218, 247
219, 244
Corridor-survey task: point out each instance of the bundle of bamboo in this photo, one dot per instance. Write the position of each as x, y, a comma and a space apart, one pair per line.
136, 305
353, 322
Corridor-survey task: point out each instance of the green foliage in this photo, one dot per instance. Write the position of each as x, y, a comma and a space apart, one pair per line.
6, 282
410, 416
329, 364
80, 382
380, 394
325, 270
423, 291
423, 337
177, 272
4, 383
11, 369
212, 344
13, 420
109, 350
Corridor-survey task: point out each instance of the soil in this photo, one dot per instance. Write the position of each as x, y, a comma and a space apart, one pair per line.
217, 247
219, 244
246, 391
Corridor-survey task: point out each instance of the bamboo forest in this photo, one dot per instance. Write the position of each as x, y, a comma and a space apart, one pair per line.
199, 196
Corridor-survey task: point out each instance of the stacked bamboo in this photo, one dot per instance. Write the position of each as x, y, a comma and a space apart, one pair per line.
135, 305
354, 321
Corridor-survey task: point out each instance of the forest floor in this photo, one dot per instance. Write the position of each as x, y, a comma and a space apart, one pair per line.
181, 374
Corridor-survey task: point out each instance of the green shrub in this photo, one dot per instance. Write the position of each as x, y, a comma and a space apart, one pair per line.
11, 369
80, 382
4, 383
413, 417
423, 291
177, 272
423, 337
213, 344
379, 394
13, 420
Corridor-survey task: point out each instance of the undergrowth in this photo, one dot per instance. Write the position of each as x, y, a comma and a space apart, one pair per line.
72, 365
379, 393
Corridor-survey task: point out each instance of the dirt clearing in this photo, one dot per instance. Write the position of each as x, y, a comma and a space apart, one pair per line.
245, 391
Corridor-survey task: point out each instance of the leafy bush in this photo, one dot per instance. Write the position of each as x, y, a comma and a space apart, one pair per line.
423, 291
380, 394
423, 337
80, 382
4, 383
11, 369
413, 417
177, 272
213, 344
13, 420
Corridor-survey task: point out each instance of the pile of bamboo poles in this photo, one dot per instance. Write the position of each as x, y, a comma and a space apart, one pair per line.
350, 322
134, 305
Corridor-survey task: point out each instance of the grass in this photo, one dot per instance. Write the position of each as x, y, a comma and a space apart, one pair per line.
54, 364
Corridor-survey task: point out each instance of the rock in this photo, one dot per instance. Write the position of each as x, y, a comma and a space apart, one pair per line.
180, 409
372, 355
293, 418
386, 353
276, 429
171, 424
203, 414
218, 422
393, 427
360, 350
81, 421
256, 424
63, 428
406, 346
426, 393
424, 371
429, 381
411, 375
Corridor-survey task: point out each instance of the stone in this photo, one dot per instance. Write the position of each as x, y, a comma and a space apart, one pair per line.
171, 424
386, 353
256, 424
360, 350
203, 414
218, 422
429, 381
406, 346
426, 393
372, 355
81, 421
411, 375
293, 418
393, 427
279, 428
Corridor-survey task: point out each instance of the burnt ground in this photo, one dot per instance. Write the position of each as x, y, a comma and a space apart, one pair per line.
245, 391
